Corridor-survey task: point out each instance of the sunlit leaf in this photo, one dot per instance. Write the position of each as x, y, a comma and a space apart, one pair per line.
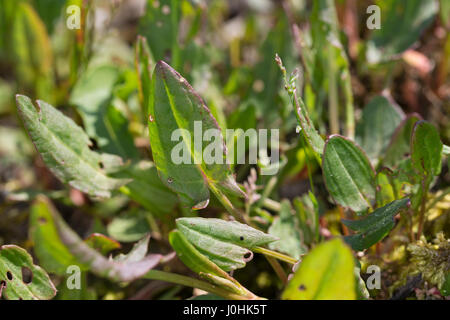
175, 105
326, 273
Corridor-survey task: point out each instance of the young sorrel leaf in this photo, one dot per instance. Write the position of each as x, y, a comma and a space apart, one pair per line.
402, 24
64, 147
375, 226
286, 228
93, 260
426, 149
175, 108
326, 273
399, 147
200, 264
379, 120
348, 175
20, 278
103, 122
226, 243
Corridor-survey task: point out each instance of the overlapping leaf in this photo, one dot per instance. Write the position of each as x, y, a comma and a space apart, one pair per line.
375, 226
399, 146
426, 149
379, 120
102, 121
175, 108
227, 243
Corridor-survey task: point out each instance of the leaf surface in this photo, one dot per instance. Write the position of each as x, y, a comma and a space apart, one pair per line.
375, 226
64, 148
326, 273
348, 174
20, 278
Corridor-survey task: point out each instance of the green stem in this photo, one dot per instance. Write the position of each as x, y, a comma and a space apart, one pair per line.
227, 204
271, 205
193, 283
275, 254
425, 185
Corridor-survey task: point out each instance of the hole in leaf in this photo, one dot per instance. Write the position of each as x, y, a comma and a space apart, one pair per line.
248, 256
42, 220
27, 275
101, 165
241, 238
9, 275
302, 287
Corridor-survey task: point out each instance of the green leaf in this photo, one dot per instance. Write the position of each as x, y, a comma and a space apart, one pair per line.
326, 273
402, 24
286, 228
102, 243
92, 95
426, 149
311, 134
375, 226
64, 148
400, 145
175, 105
201, 265
379, 120
120, 271
143, 63
146, 188
53, 255
20, 278
31, 51
129, 227
160, 26
226, 243
348, 175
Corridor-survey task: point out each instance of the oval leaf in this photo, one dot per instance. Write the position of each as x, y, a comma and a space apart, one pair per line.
426, 149
348, 174
175, 108
379, 120
326, 273
226, 243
